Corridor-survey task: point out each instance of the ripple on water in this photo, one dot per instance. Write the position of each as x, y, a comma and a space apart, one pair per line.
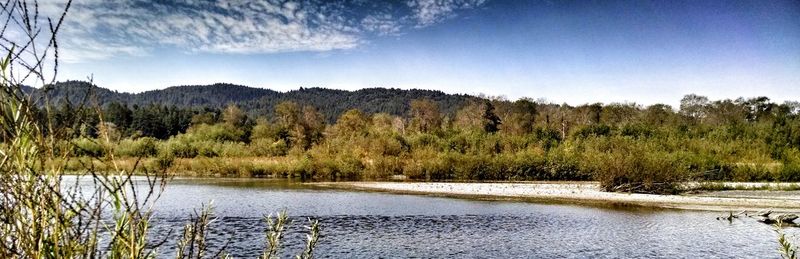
379, 225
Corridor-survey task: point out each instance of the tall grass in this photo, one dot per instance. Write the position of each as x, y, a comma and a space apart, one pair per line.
42, 213
785, 247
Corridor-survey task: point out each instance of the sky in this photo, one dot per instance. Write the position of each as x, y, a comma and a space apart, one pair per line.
580, 51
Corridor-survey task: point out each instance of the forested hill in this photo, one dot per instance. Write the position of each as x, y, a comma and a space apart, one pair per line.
332, 103
258, 101
215, 95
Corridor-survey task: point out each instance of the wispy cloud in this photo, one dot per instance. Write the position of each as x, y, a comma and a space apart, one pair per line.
429, 12
383, 24
101, 29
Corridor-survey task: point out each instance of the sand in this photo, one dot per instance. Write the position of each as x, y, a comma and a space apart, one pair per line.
588, 193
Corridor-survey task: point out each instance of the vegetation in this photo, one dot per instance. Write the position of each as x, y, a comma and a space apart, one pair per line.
785, 247
46, 215
255, 101
627, 147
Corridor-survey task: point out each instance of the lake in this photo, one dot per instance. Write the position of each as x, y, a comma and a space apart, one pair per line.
381, 225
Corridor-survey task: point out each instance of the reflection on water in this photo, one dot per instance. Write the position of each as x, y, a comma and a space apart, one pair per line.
371, 225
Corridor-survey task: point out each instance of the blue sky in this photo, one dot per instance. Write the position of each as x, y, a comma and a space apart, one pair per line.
565, 51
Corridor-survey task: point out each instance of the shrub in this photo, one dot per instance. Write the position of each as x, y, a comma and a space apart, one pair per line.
217, 132
179, 146
595, 130
142, 147
562, 164
268, 147
87, 147
382, 167
626, 165
547, 137
636, 130
790, 172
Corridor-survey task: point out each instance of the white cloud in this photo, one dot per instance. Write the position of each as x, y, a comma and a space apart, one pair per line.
101, 29
428, 12
383, 24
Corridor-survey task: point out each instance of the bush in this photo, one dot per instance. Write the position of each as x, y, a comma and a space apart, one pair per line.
563, 164
142, 147
87, 147
218, 132
790, 172
268, 147
382, 167
594, 130
427, 164
636, 130
547, 137
622, 164
179, 146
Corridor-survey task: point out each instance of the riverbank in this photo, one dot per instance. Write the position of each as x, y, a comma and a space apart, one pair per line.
589, 193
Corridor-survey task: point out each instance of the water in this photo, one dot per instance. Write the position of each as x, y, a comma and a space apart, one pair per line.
380, 225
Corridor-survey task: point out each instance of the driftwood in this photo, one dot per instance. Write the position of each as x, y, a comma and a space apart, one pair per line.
783, 218
766, 217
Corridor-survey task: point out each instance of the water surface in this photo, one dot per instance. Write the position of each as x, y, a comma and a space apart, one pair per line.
381, 225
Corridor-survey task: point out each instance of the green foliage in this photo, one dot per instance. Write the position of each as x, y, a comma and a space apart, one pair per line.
785, 247
624, 164
88, 147
636, 130
594, 130
179, 146
425, 116
220, 132
141, 147
45, 217
626, 147
268, 148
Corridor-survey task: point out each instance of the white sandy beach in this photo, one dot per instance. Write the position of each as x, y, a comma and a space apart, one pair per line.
589, 192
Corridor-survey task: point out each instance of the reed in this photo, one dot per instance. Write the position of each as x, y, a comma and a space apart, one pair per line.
785, 247
105, 209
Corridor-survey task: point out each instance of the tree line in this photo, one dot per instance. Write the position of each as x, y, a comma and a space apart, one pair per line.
624, 145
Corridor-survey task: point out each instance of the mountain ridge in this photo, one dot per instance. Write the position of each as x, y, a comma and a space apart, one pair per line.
258, 101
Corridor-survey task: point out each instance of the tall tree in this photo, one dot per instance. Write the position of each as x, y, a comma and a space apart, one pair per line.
119, 115
491, 122
694, 106
353, 122
234, 116
425, 115
521, 118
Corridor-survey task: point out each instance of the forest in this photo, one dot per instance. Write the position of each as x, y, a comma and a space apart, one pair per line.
429, 135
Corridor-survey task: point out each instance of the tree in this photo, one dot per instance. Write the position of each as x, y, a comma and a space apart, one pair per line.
725, 112
300, 127
758, 108
381, 123
264, 130
119, 115
313, 124
234, 116
206, 116
520, 118
352, 122
287, 114
491, 122
177, 120
619, 113
425, 115
470, 117
147, 122
658, 114
694, 106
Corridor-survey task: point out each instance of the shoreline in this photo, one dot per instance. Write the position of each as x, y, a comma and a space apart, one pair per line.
586, 193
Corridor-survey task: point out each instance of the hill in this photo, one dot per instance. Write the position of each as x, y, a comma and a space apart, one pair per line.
258, 101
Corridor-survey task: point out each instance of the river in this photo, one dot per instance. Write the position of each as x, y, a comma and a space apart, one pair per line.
381, 225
